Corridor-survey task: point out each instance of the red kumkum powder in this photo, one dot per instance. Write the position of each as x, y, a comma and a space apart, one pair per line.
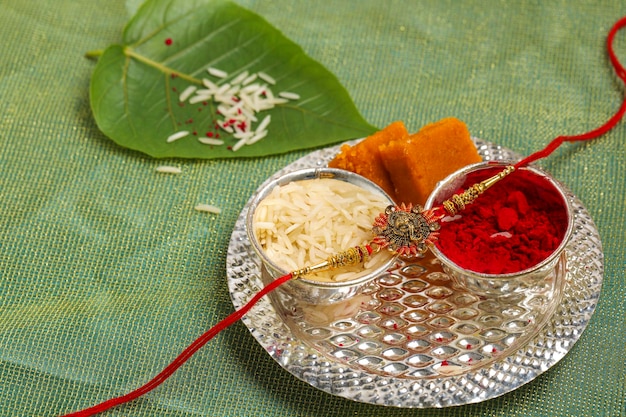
511, 227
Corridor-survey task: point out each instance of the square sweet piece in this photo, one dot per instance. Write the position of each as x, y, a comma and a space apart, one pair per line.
415, 164
364, 158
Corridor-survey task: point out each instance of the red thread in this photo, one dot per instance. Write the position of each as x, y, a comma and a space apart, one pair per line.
184, 356
610, 124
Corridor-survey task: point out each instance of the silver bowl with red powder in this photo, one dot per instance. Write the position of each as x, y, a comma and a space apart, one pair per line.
512, 238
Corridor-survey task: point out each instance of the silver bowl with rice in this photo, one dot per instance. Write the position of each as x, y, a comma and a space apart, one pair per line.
307, 215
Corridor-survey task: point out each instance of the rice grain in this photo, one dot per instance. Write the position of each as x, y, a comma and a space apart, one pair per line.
264, 123
187, 92
210, 141
239, 79
208, 208
239, 144
166, 169
217, 72
288, 95
267, 78
177, 135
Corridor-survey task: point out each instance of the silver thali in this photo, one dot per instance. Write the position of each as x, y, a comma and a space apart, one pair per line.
414, 338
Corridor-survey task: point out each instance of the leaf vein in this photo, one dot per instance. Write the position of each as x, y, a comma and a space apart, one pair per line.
200, 41
126, 97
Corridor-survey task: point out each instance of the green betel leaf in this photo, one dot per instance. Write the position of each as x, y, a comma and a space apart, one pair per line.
169, 45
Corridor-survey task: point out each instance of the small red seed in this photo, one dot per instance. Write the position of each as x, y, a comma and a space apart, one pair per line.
168, 41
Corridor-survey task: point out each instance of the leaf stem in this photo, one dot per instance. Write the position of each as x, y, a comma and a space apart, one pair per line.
94, 53
167, 70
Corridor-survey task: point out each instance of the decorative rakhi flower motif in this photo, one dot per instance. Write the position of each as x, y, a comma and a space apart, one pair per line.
406, 230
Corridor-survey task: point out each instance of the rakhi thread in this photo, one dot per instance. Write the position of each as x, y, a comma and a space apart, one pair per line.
238, 314
184, 356
610, 124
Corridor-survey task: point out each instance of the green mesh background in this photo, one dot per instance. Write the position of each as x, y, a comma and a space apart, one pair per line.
107, 272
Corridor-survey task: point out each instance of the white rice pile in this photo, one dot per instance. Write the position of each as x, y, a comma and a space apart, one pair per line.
304, 222
238, 101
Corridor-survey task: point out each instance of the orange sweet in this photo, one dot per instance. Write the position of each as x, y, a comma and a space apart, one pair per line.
415, 164
408, 167
364, 158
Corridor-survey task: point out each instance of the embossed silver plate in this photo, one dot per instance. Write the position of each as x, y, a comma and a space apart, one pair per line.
414, 338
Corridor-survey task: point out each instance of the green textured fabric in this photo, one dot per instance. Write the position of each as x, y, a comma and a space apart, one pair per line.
107, 272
